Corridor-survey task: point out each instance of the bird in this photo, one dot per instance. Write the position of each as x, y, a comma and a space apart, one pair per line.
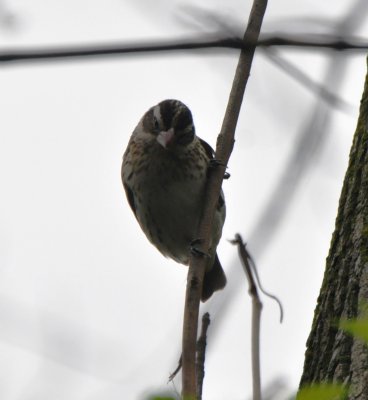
164, 172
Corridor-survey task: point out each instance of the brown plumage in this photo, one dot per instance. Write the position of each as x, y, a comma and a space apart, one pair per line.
164, 175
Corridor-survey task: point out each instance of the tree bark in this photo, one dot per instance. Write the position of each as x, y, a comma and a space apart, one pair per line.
331, 354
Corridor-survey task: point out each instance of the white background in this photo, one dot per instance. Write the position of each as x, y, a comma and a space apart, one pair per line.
88, 308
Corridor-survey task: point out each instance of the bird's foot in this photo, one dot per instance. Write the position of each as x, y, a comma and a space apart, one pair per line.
195, 250
214, 163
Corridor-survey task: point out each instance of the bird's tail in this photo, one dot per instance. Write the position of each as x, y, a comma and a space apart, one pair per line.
214, 280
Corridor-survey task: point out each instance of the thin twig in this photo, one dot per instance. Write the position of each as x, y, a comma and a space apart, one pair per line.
314, 41
256, 317
224, 147
177, 369
252, 264
201, 353
28, 54
316, 88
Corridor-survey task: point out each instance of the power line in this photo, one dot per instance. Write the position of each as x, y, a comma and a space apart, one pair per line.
108, 49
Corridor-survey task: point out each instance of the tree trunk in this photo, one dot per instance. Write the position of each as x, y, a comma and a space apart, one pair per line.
331, 354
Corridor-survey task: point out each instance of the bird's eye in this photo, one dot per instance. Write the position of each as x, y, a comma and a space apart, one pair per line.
185, 137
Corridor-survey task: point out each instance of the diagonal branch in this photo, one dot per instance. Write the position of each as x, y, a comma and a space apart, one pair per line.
225, 142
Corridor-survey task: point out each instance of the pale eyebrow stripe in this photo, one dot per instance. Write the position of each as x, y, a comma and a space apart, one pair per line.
157, 114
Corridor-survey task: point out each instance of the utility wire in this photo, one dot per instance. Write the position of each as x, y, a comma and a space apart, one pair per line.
303, 42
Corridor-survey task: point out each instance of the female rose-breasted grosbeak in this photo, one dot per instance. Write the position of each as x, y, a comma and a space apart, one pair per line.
164, 175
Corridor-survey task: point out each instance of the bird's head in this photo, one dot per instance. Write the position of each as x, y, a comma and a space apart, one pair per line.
171, 123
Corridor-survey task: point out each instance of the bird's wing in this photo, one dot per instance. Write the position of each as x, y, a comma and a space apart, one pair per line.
130, 196
211, 155
208, 149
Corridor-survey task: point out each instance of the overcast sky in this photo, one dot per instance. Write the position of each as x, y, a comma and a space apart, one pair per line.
88, 308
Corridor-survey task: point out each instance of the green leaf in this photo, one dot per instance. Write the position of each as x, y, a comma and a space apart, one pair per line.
163, 398
356, 327
323, 391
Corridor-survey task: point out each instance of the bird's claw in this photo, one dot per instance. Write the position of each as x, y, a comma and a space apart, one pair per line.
214, 163
195, 250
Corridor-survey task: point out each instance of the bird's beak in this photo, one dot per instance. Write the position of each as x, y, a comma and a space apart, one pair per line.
165, 138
